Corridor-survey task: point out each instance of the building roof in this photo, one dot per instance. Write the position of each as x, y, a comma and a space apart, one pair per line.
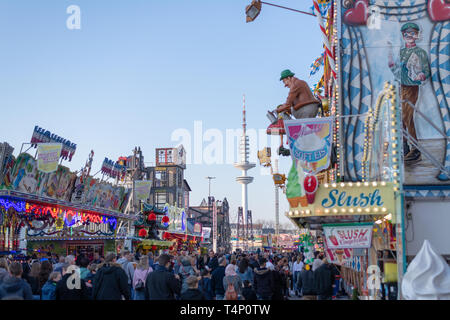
186, 185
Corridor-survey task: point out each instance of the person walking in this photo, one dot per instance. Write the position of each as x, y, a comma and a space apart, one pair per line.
217, 279
213, 261
161, 284
205, 284
232, 282
248, 293
58, 266
110, 281
317, 260
186, 270
140, 277
263, 281
49, 288
297, 268
4, 269
324, 281
13, 287
71, 289
126, 262
244, 271
305, 283
192, 293
33, 280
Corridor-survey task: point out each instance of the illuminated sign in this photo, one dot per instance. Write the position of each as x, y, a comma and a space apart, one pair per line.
70, 216
357, 198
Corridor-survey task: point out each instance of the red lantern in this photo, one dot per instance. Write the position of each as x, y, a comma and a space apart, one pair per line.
165, 219
152, 217
142, 233
154, 248
170, 248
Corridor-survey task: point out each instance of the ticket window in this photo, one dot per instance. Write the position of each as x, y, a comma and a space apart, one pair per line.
87, 249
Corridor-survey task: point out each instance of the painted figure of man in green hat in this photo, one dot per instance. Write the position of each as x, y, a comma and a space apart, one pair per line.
412, 70
300, 102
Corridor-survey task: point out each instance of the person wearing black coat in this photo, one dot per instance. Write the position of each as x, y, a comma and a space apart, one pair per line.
263, 281
324, 281
192, 293
63, 292
305, 283
110, 281
161, 284
279, 283
213, 261
217, 279
247, 292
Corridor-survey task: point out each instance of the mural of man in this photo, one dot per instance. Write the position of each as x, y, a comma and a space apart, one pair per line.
412, 71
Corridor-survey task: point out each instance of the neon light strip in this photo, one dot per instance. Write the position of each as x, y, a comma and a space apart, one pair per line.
45, 211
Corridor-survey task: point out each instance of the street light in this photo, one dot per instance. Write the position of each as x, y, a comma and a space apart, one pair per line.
252, 10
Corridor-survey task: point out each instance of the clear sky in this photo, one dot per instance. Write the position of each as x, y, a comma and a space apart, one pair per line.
137, 70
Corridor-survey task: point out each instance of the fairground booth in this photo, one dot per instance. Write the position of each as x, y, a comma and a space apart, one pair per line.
44, 207
381, 138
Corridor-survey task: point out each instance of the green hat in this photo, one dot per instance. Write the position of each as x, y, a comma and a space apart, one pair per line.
286, 73
410, 25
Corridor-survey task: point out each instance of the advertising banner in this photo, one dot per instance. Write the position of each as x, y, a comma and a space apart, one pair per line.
177, 218
142, 189
194, 228
206, 232
310, 142
48, 155
348, 236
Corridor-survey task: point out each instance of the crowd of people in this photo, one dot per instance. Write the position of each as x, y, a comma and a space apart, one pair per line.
128, 276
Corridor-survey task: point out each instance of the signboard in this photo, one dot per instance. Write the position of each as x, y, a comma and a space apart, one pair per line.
178, 219
339, 256
353, 236
360, 198
206, 232
41, 135
47, 156
5, 158
194, 228
310, 142
142, 189
180, 156
113, 169
404, 43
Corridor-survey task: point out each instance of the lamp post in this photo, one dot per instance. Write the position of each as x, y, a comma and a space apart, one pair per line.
253, 10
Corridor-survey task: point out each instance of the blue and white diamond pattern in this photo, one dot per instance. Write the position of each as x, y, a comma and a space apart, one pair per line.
366, 101
440, 78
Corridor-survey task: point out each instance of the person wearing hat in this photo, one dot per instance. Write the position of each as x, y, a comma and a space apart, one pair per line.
412, 70
300, 103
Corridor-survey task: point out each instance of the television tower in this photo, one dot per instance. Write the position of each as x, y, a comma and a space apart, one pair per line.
244, 165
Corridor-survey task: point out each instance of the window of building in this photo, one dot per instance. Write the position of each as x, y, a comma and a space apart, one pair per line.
160, 178
169, 156
161, 199
162, 156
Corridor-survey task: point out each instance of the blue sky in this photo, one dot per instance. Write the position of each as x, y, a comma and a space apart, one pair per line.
139, 69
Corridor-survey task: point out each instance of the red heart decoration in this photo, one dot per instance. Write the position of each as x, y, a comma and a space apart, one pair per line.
439, 10
357, 15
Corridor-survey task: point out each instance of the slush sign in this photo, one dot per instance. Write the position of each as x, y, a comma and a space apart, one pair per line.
342, 199
349, 199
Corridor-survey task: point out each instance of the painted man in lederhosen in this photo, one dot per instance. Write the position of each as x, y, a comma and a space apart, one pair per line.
412, 70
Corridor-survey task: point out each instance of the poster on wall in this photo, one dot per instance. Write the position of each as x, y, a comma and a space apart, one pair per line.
310, 142
48, 156
206, 232
177, 218
404, 43
348, 236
